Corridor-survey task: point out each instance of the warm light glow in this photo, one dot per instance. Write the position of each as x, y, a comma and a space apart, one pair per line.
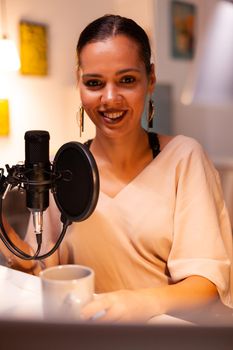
187, 97
9, 58
211, 80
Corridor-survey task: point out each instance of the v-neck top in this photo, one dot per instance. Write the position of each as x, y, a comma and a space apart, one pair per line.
168, 223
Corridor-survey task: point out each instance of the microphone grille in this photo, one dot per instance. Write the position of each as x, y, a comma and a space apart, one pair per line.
36, 146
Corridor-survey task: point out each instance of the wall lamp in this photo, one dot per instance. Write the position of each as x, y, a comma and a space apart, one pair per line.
9, 58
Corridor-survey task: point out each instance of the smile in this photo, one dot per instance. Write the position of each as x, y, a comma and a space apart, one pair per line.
113, 116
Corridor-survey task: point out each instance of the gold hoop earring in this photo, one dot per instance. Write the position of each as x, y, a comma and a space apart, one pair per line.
151, 113
80, 120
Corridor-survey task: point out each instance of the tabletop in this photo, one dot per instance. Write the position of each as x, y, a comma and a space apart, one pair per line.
20, 295
20, 298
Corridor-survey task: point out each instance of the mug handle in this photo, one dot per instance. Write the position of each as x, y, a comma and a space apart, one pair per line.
72, 306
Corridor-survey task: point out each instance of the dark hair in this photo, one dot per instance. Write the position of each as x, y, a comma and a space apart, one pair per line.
111, 25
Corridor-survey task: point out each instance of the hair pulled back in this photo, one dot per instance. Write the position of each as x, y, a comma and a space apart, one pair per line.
111, 25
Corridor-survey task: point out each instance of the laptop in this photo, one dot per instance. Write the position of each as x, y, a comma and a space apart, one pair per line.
38, 335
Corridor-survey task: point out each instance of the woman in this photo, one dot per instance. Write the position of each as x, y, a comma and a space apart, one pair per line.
160, 238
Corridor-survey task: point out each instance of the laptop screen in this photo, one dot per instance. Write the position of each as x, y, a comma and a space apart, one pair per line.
37, 335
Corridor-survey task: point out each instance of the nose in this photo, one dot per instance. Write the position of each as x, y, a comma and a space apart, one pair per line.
110, 95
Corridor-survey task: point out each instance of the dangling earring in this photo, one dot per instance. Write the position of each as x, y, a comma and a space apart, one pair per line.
151, 113
80, 120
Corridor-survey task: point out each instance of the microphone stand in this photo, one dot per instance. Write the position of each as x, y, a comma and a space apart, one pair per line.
17, 178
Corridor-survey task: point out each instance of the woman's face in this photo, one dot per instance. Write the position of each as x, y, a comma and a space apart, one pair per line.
113, 85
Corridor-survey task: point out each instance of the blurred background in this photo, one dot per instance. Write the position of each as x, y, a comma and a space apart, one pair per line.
192, 50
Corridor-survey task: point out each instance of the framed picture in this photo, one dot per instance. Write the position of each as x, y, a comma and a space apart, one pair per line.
33, 48
183, 29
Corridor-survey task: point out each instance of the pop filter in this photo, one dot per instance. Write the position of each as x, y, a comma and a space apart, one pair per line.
76, 189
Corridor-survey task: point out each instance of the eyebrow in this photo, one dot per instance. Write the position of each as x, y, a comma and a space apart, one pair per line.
122, 71
127, 70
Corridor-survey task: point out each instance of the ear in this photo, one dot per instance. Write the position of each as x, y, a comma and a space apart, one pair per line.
152, 79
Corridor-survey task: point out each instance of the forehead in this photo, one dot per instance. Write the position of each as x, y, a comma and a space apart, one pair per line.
119, 51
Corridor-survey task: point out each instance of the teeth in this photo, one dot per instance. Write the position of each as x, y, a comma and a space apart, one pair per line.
114, 115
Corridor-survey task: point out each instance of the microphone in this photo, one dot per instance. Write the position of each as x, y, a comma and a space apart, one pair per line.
73, 179
38, 172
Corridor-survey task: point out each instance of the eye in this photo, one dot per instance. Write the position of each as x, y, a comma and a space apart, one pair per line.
93, 83
128, 79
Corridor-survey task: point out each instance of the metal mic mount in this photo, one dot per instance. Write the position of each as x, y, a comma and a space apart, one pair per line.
19, 176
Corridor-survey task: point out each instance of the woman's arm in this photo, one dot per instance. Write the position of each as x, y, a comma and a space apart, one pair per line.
141, 305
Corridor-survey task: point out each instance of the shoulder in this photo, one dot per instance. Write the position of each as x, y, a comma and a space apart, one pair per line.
180, 143
183, 151
164, 140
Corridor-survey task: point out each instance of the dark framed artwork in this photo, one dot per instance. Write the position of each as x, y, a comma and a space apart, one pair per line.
33, 48
183, 29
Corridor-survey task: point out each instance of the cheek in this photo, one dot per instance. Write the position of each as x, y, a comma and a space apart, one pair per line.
88, 100
138, 98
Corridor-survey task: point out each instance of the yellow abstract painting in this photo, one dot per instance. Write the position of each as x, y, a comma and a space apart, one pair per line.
4, 117
33, 48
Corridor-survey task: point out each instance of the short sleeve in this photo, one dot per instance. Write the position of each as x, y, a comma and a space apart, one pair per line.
202, 238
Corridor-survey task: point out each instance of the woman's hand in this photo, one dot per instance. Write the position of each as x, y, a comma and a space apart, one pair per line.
140, 305
121, 306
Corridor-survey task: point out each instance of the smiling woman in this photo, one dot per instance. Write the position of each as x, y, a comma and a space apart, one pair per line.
159, 239
114, 95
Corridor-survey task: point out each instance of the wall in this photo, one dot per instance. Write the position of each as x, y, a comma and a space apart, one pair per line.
211, 125
51, 102
42, 102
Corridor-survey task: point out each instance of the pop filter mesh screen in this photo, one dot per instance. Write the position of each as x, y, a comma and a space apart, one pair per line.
75, 192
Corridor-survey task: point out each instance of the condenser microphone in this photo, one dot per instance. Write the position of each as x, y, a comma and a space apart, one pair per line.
38, 172
72, 177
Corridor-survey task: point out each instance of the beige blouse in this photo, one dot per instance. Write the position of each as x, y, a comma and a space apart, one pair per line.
168, 223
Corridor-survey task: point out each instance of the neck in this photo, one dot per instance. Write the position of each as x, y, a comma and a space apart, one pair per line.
121, 151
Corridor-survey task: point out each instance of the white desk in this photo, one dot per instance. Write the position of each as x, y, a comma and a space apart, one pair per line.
20, 295
20, 298
20, 302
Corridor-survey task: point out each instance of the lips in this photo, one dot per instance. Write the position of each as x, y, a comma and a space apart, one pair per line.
113, 117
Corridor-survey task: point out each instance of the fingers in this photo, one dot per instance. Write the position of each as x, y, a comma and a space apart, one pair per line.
101, 309
98, 316
120, 306
96, 309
